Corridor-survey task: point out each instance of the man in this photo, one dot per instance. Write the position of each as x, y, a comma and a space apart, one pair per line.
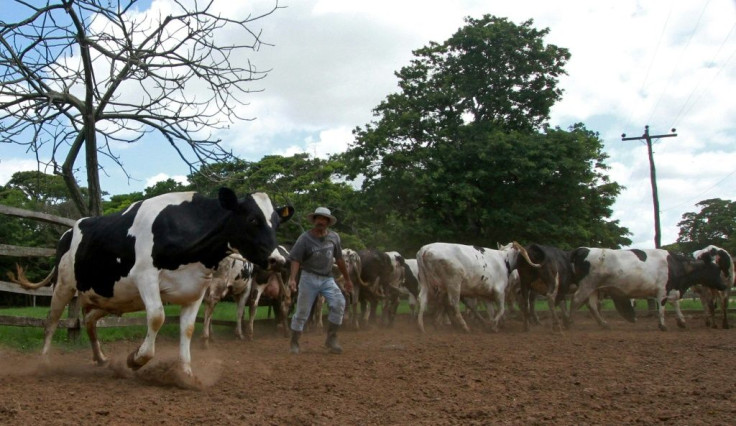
313, 253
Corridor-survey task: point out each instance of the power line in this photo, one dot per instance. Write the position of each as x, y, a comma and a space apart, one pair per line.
700, 195
677, 62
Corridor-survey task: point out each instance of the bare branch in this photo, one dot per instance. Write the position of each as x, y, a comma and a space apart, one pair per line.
76, 66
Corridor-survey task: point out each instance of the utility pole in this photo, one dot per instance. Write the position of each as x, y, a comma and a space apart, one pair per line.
653, 176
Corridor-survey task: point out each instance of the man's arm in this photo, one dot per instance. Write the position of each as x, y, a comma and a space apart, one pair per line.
294, 272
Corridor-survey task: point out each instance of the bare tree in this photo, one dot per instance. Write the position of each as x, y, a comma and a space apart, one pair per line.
89, 73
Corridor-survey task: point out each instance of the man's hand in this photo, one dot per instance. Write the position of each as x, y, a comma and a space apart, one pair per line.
292, 284
348, 285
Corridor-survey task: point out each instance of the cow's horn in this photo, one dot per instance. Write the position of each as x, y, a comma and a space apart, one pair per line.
523, 252
23, 281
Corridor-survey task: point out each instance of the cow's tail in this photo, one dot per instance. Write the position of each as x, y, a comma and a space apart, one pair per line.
355, 269
25, 283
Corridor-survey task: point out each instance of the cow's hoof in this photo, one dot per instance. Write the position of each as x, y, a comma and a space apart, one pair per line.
681, 324
726, 326
101, 362
132, 364
663, 327
205, 343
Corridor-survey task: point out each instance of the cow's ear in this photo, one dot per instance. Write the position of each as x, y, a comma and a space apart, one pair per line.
228, 199
285, 213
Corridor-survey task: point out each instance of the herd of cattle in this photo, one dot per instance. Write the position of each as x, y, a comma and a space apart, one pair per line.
185, 249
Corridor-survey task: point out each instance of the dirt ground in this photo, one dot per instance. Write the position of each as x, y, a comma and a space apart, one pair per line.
633, 373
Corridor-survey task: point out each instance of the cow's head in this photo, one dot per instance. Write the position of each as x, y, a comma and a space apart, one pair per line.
701, 272
252, 228
721, 258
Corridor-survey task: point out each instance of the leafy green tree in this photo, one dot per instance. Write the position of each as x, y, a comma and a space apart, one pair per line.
299, 180
461, 153
715, 224
32, 190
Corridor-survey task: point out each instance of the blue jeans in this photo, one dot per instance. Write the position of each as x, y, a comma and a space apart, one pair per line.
310, 286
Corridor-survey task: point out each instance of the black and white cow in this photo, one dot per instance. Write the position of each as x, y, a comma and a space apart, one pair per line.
163, 249
552, 280
380, 273
638, 274
709, 296
448, 272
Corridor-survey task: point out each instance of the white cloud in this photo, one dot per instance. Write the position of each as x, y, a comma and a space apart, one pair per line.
9, 166
163, 176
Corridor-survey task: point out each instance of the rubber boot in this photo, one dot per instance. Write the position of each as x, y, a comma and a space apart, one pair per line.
331, 342
295, 335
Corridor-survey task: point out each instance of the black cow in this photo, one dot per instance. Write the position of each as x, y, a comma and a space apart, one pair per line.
163, 249
552, 280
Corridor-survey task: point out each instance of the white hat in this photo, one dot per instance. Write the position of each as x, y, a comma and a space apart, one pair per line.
322, 211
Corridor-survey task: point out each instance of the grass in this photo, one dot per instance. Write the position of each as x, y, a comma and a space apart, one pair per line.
31, 338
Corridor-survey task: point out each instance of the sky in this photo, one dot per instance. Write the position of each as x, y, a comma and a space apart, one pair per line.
666, 64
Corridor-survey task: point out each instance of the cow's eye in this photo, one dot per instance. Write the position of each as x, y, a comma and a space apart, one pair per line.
253, 221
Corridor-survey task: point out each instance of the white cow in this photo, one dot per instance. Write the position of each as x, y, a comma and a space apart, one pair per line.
638, 274
709, 296
448, 272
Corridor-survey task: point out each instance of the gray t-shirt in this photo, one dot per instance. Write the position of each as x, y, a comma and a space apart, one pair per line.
316, 254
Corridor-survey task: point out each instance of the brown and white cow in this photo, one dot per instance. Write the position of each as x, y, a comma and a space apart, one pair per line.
233, 277
709, 297
448, 272
270, 289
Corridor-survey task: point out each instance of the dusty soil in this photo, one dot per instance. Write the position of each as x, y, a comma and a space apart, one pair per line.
633, 373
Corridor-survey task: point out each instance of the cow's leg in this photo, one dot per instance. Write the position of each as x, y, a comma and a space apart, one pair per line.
253, 309
566, 317
525, 305
706, 300
412, 306
551, 302
723, 297
90, 322
501, 302
422, 302
187, 319
453, 303
317, 312
209, 309
149, 291
63, 294
241, 298
661, 300
593, 305
675, 299
584, 293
